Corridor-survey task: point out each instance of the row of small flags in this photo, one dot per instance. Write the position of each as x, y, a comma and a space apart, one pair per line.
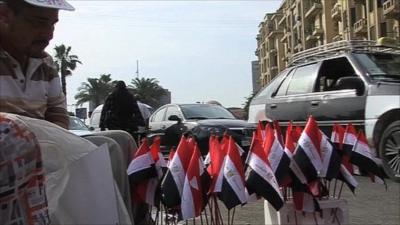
304, 162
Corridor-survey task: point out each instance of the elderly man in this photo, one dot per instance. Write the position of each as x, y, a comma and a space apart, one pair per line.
32, 102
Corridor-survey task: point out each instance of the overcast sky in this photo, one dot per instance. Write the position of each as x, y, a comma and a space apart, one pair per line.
199, 50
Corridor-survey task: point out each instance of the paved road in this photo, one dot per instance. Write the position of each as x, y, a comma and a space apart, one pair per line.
372, 205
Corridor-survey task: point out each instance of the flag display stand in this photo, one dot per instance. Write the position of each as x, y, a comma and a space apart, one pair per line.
334, 211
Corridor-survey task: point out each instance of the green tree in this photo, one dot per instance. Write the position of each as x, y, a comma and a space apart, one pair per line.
95, 90
66, 63
247, 103
147, 90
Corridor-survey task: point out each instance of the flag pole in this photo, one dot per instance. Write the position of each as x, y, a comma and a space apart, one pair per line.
233, 215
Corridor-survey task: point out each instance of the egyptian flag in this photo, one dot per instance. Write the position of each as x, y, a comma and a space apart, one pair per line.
216, 160
347, 178
142, 166
152, 195
278, 132
331, 159
194, 193
233, 191
303, 200
260, 178
362, 156
170, 156
172, 184
308, 154
290, 146
147, 191
349, 138
337, 138
277, 157
346, 169
260, 132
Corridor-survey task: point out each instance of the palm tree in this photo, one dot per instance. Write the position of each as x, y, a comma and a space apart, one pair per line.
66, 63
147, 90
95, 90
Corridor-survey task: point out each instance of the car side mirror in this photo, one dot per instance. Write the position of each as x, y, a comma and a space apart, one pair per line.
352, 82
175, 118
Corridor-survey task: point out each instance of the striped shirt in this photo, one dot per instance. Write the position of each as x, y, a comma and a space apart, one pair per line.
36, 94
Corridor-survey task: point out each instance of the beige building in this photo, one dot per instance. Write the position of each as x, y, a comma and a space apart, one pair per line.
302, 24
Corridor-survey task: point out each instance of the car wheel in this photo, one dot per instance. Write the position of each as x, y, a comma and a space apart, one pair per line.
389, 150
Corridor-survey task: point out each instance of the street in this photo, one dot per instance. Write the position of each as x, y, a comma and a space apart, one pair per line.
372, 205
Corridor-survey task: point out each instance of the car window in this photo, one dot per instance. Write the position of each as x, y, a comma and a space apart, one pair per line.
159, 115
206, 111
76, 124
330, 72
381, 66
271, 87
172, 110
283, 87
302, 80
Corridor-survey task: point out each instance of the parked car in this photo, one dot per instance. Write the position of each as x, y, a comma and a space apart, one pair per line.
346, 82
78, 127
200, 120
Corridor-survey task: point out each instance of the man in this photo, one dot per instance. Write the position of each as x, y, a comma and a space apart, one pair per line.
30, 86
29, 83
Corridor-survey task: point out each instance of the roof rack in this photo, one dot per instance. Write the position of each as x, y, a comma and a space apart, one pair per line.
335, 48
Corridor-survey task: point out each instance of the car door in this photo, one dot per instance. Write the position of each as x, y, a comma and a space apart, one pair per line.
157, 121
173, 129
330, 103
289, 101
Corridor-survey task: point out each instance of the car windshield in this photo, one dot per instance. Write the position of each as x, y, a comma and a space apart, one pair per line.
76, 124
384, 67
205, 111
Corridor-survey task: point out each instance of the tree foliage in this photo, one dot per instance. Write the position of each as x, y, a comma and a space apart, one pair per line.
147, 90
95, 90
248, 101
66, 63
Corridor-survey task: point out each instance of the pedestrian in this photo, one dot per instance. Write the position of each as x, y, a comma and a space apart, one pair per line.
32, 104
121, 111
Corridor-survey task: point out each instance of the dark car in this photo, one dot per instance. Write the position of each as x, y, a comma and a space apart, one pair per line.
345, 82
199, 120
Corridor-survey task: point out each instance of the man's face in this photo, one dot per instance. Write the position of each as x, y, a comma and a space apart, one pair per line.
31, 29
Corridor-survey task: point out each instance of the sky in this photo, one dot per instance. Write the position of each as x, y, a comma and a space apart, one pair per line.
198, 50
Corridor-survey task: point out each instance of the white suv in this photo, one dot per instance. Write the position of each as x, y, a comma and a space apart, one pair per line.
342, 82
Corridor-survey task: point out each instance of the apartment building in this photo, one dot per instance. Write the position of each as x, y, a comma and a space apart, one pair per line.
302, 24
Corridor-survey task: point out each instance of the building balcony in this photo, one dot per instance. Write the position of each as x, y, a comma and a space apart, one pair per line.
298, 47
391, 9
282, 21
317, 31
272, 51
311, 38
337, 38
336, 12
360, 26
360, 2
286, 36
273, 70
315, 8
274, 33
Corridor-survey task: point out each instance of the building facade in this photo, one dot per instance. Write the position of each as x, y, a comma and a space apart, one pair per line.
302, 24
255, 75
